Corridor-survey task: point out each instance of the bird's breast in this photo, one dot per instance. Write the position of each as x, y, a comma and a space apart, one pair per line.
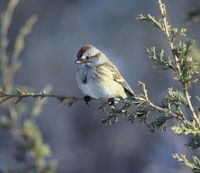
87, 80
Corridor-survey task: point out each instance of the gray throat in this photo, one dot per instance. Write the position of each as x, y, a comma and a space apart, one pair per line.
86, 73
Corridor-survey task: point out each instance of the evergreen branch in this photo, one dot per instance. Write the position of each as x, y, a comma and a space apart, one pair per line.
155, 107
194, 164
140, 106
176, 59
186, 128
151, 19
160, 58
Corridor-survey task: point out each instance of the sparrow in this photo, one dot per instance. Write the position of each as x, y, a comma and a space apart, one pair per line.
98, 77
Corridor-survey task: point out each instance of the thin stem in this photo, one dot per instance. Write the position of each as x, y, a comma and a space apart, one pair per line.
165, 23
166, 31
195, 118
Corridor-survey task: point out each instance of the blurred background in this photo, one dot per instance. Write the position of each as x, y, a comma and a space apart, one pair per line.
75, 136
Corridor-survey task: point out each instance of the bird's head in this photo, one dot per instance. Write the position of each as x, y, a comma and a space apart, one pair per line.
90, 55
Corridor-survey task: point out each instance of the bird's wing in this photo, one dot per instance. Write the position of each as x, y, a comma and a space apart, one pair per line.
114, 73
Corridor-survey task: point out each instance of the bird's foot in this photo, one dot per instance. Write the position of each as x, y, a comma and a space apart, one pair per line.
111, 101
87, 99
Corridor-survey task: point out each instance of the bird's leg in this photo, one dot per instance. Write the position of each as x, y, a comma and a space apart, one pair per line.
87, 99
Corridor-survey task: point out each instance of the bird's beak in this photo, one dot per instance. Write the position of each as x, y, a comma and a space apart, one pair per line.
78, 61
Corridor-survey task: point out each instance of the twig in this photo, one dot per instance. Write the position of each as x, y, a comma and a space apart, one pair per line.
196, 119
166, 31
165, 25
155, 107
19, 96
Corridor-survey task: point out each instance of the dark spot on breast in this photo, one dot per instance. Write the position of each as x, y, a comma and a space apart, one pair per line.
84, 79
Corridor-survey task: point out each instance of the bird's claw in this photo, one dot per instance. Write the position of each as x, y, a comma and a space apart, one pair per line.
87, 99
111, 101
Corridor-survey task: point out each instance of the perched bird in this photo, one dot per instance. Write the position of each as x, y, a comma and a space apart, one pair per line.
98, 77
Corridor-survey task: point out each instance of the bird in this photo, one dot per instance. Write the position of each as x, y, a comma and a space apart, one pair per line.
97, 76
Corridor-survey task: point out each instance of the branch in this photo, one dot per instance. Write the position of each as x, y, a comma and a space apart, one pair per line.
64, 100
155, 107
196, 119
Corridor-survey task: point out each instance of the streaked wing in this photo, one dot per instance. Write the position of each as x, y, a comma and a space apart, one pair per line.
111, 70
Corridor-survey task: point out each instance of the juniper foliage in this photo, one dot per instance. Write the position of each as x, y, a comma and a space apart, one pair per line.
184, 64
